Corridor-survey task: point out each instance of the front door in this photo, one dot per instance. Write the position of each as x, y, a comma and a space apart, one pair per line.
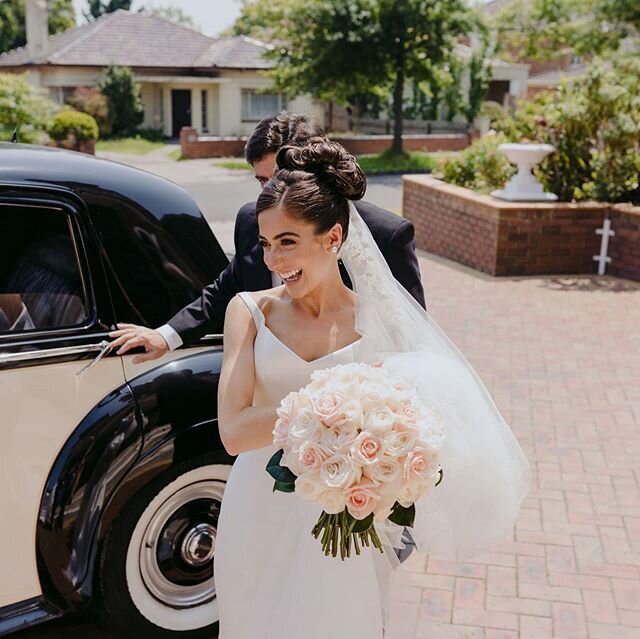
181, 110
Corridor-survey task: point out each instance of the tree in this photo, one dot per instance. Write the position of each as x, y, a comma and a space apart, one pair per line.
91, 101
12, 21
99, 8
333, 49
171, 13
23, 108
123, 99
544, 29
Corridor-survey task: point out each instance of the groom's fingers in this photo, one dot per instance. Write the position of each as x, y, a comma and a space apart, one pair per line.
131, 343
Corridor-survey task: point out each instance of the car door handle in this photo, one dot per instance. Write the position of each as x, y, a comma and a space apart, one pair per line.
48, 353
104, 346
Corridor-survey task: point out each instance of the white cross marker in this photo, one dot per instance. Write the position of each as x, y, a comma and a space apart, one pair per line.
606, 233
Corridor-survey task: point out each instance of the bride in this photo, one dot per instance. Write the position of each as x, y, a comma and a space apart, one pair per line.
272, 578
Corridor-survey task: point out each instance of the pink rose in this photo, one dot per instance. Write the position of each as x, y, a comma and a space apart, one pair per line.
311, 456
340, 471
362, 500
415, 465
327, 407
366, 448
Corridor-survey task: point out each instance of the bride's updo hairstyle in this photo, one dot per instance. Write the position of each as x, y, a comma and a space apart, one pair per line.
314, 183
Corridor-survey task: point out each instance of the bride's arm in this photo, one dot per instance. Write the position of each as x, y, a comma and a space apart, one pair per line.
242, 426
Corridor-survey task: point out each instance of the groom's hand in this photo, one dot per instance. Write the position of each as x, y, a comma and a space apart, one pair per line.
130, 336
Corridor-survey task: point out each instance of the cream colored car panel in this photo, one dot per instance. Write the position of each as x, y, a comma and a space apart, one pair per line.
41, 406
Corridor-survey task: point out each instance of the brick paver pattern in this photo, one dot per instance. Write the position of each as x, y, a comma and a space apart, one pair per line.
561, 357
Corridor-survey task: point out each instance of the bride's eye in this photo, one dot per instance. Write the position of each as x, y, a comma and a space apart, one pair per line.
287, 242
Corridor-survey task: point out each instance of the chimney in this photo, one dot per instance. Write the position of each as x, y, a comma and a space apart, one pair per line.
37, 23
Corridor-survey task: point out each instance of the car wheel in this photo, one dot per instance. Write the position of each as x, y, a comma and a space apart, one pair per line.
156, 564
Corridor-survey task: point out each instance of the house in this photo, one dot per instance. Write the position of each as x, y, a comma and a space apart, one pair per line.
215, 85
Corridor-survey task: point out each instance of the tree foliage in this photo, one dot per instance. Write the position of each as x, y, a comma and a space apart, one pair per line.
334, 49
12, 21
171, 13
97, 8
117, 84
544, 29
91, 100
23, 108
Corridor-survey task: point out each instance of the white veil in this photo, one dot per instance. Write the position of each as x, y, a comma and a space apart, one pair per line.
486, 475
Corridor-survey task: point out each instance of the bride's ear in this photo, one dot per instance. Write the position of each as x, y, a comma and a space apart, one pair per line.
333, 238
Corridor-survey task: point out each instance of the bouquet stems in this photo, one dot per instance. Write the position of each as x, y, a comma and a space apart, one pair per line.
338, 533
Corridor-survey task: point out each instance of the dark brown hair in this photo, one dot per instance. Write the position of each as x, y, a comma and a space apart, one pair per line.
272, 133
314, 183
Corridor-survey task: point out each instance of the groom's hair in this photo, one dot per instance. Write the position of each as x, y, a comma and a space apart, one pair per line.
284, 129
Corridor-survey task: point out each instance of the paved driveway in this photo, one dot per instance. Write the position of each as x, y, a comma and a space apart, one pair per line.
562, 359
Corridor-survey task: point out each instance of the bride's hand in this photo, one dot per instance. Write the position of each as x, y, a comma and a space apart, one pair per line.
130, 336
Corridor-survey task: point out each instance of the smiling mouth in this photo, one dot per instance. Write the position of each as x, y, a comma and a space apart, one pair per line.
290, 277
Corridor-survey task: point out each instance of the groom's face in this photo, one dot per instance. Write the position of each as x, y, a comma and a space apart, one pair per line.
264, 168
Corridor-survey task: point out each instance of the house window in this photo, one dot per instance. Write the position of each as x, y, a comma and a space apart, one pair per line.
257, 105
205, 112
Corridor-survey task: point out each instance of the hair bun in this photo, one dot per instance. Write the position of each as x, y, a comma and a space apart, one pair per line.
330, 162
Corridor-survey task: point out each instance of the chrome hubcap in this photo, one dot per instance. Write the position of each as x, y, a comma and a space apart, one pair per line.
176, 556
199, 545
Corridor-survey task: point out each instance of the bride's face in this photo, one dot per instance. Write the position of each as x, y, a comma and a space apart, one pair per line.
292, 249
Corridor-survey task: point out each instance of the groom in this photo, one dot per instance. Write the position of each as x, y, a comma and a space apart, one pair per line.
247, 270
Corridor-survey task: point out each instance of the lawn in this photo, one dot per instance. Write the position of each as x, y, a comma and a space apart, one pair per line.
134, 145
234, 165
389, 162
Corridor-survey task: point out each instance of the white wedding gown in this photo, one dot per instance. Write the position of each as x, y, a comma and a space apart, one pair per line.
272, 579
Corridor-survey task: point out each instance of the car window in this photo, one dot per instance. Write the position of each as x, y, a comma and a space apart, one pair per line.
40, 280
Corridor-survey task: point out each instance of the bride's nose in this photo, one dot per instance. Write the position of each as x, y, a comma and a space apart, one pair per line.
272, 258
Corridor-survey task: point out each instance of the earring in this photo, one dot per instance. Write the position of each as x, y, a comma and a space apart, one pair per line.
334, 249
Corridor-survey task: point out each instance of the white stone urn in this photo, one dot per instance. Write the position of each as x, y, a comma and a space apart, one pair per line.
524, 186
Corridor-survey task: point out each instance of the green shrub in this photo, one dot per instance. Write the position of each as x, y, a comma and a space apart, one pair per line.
481, 166
151, 134
92, 101
123, 98
73, 125
594, 125
23, 108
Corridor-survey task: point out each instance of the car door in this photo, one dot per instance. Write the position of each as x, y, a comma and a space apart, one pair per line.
50, 329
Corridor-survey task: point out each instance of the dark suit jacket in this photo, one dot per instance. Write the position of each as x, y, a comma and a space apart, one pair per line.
247, 270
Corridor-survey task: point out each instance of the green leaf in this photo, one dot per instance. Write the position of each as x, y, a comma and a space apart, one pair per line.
359, 525
284, 487
280, 473
402, 516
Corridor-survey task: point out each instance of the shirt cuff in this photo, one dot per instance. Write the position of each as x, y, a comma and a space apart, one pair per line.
171, 337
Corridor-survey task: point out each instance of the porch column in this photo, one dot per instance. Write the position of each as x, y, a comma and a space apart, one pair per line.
196, 109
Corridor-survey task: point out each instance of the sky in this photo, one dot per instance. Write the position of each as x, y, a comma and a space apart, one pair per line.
210, 16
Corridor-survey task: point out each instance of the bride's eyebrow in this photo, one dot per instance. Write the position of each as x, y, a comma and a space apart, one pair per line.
279, 236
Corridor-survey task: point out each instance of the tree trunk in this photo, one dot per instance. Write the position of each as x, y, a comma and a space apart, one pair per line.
398, 95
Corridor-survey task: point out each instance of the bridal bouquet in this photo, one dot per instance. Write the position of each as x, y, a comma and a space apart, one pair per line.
358, 441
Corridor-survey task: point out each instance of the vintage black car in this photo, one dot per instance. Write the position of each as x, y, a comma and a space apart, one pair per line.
111, 474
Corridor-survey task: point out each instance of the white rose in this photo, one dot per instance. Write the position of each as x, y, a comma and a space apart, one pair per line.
338, 439
328, 406
333, 501
411, 491
340, 471
304, 427
384, 471
379, 419
309, 486
397, 444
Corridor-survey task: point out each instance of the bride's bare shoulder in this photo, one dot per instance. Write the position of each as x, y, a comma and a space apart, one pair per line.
267, 298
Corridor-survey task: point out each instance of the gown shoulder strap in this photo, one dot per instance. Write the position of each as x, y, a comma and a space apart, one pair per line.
253, 307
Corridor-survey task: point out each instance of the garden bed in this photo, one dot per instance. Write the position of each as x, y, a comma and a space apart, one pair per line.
519, 238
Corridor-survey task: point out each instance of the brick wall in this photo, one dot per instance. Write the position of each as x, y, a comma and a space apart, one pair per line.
194, 147
369, 144
508, 238
624, 246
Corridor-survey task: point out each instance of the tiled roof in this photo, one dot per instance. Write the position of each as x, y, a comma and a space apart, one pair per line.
141, 40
